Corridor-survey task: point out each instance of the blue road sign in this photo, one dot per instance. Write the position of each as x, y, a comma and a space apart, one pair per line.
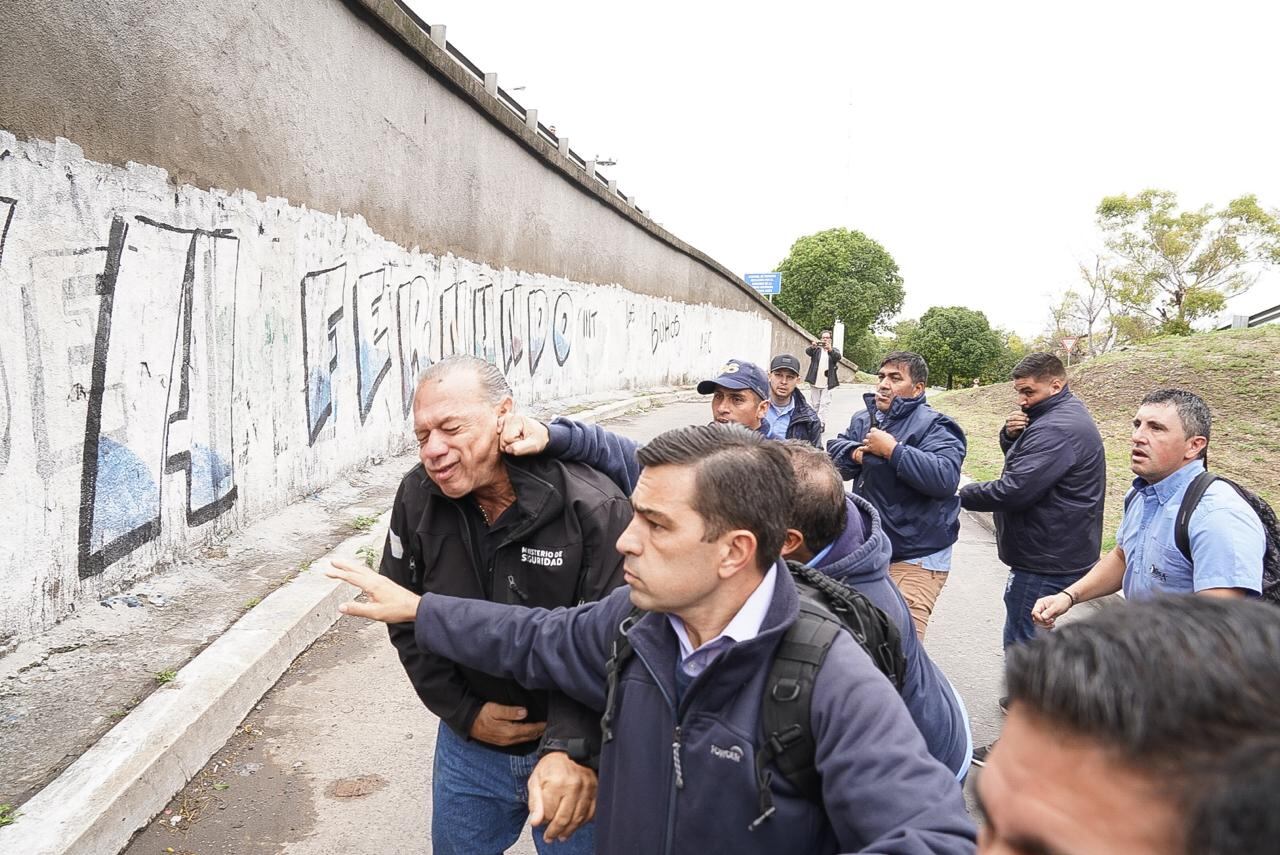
765, 283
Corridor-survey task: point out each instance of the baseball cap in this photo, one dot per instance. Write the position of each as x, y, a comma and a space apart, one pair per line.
737, 374
785, 360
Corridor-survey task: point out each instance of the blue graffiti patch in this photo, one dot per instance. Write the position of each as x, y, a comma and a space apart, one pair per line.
127, 496
211, 476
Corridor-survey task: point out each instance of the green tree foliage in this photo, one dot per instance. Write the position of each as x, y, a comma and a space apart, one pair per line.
1177, 267
955, 341
842, 274
1012, 349
866, 350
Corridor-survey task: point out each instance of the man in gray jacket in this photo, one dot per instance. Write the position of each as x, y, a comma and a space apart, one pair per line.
680, 773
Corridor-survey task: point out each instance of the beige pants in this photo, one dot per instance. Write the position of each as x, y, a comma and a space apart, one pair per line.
920, 588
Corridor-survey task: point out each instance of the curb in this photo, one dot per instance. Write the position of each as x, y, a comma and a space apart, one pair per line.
128, 776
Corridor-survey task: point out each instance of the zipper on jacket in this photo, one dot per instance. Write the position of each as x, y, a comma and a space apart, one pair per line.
511, 583
671, 793
675, 759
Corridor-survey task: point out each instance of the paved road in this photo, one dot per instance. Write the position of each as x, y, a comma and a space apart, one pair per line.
337, 757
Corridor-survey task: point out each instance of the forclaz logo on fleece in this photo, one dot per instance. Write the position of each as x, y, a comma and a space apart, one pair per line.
542, 557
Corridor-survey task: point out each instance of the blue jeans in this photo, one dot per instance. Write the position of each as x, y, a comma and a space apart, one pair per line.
479, 801
1020, 593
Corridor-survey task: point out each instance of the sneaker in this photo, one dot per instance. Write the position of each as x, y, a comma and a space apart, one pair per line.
980, 755
1004, 705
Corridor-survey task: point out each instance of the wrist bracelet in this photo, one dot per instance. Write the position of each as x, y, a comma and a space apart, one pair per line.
1074, 601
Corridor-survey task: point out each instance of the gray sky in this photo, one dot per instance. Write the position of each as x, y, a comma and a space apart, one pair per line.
972, 140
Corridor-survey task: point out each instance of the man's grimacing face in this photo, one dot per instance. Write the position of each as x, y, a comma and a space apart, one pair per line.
457, 432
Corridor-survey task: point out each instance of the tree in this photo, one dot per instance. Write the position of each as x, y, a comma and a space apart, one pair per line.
839, 273
955, 341
1092, 308
1012, 349
1180, 266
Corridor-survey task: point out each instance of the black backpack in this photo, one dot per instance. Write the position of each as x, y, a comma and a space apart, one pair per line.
1271, 528
827, 607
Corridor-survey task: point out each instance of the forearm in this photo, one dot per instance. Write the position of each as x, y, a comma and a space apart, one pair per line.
1104, 578
606, 452
561, 649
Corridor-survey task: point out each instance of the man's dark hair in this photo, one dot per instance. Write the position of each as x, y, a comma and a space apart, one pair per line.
1172, 687
1039, 366
1193, 412
916, 367
819, 511
741, 481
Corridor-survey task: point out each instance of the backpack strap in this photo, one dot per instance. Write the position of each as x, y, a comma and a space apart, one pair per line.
1190, 501
1128, 499
785, 712
620, 652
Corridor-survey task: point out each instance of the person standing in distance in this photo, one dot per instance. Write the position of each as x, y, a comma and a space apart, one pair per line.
821, 376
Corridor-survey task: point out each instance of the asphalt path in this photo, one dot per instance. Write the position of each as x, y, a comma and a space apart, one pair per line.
337, 756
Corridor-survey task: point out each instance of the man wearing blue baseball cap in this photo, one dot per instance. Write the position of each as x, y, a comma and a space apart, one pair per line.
740, 395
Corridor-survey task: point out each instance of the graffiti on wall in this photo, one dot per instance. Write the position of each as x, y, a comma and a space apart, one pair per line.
189, 358
159, 400
6, 406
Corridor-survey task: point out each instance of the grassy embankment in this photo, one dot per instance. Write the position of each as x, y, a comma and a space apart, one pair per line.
1237, 372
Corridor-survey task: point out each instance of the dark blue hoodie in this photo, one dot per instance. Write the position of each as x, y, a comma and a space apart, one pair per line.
915, 489
860, 559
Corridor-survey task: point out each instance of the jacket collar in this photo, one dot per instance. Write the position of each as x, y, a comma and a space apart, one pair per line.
1049, 403
537, 500
899, 408
1171, 485
655, 642
859, 554
803, 411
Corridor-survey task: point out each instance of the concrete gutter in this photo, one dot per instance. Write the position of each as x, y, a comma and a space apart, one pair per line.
116, 787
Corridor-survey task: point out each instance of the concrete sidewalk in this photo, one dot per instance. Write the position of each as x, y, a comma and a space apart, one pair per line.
102, 719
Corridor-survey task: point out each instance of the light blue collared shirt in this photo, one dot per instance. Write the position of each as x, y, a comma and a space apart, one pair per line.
744, 627
939, 561
777, 419
1227, 541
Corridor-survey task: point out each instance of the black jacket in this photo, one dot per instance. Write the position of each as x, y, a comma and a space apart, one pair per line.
1049, 499
560, 552
804, 422
833, 363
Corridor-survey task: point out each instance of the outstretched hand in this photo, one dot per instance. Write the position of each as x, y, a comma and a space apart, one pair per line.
520, 435
388, 602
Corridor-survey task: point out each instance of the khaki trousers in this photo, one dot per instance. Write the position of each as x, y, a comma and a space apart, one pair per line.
920, 588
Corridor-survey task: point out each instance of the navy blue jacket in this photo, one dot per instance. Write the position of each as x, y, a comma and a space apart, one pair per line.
914, 490
860, 559
1049, 499
804, 421
881, 791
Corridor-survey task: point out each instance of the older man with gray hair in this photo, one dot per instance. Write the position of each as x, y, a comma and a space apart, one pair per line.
471, 522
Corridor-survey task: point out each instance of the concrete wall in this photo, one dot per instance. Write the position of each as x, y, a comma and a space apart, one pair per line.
175, 361
196, 341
